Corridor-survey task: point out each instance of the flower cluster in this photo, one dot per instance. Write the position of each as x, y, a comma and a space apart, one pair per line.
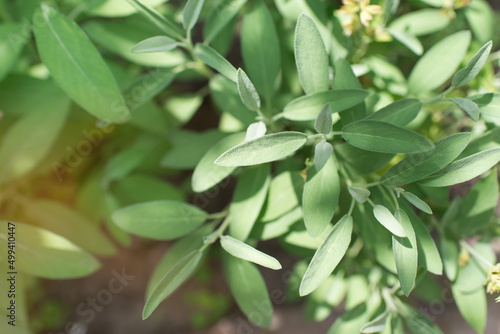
357, 13
493, 281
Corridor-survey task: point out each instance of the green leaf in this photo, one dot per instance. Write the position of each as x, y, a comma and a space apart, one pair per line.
359, 194
421, 22
77, 66
320, 197
191, 13
155, 44
260, 49
384, 137
213, 59
27, 142
248, 253
464, 169
345, 78
439, 63
324, 121
378, 324
405, 253
408, 40
322, 152
248, 200
416, 322
311, 56
178, 274
479, 205
159, 220
69, 224
309, 107
268, 148
468, 106
180, 249
278, 227
481, 19
417, 202
46, 254
420, 165
168, 27
385, 217
249, 290
360, 162
399, 113
465, 75
489, 106
12, 42
207, 174
247, 91
219, 18
113, 8
255, 130
327, 257
449, 253
283, 196
472, 306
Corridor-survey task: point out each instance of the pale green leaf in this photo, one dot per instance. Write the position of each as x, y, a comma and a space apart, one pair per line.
255, 130
322, 152
284, 193
46, 254
464, 169
159, 220
247, 91
320, 197
481, 19
468, 106
77, 66
260, 48
384, 137
408, 40
385, 217
311, 56
449, 253
155, 44
327, 257
248, 253
191, 13
359, 194
278, 227
308, 107
249, 290
378, 324
439, 63
360, 162
472, 306
417, 202
268, 148
177, 275
324, 121
416, 322
405, 253
220, 17
417, 166
398, 113
207, 174
465, 75
489, 107
114, 8
213, 59
12, 42
248, 199
421, 22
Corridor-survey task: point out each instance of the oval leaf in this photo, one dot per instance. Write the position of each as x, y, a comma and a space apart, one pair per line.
385, 217
376, 325
247, 91
308, 107
207, 174
214, 59
264, 149
465, 75
248, 253
255, 130
155, 44
159, 220
46, 254
468, 106
464, 169
420, 165
177, 275
399, 113
384, 137
359, 194
219, 17
191, 13
449, 252
320, 197
417, 202
328, 256
310, 56
249, 290
439, 63
324, 121
77, 66
472, 306
322, 152
405, 253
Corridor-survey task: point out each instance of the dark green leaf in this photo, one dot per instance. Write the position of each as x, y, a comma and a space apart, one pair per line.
345, 78
320, 197
420, 165
398, 113
465, 75
384, 137
160, 220
77, 66
12, 42
310, 56
405, 253
268, 148
468, 106
408, 40
360, 162
328, 255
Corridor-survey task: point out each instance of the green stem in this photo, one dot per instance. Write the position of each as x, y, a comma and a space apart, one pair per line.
215, 235
439, 97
